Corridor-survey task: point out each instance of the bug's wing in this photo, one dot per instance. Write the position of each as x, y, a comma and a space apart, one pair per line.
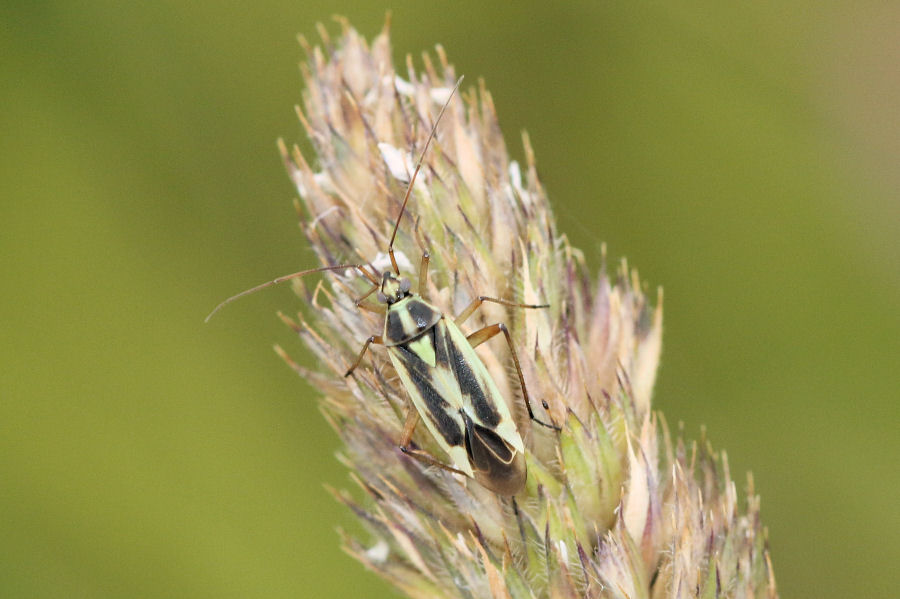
481, 399
497, 464
434, 393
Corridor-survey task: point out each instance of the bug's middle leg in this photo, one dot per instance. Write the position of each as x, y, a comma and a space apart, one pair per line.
412, 419
376, 339
482, 335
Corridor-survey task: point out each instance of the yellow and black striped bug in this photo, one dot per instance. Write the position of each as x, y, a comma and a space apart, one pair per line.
448, 384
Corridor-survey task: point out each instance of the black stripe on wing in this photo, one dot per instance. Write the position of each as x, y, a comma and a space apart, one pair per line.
469, 384
440, 412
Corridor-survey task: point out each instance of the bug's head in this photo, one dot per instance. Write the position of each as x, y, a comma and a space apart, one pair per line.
393, 288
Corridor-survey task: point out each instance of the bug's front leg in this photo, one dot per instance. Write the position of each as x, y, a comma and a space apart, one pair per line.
423, 273
376, 339
362, 304
482, 335
412, 419
379, 309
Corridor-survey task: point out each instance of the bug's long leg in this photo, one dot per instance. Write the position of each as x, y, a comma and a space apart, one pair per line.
376, 339
372, 290
362, 304
476, 303
482, 335
429, 459
412, 419
370, 307
423, 273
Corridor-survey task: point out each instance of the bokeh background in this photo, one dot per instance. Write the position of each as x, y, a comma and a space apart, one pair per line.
746, 156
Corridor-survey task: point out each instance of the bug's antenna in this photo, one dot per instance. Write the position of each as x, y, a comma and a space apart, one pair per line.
295, 275
360, 267
412, 180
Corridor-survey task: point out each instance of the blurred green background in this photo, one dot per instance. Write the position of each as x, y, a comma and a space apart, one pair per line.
744, 156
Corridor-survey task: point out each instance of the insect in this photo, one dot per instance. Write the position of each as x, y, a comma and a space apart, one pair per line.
448, 385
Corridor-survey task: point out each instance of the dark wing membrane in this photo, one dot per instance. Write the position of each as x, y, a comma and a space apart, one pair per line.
486, 448
497, 464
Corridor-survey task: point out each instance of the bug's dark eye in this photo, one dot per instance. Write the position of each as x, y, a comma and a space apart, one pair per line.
405, 285
382, 298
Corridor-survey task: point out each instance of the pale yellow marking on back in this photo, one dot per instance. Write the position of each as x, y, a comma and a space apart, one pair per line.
424, 350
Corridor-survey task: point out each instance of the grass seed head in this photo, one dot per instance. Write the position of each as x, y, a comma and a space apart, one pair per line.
613, 506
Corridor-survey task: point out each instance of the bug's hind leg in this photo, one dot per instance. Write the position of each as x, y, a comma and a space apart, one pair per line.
476, 303
482, 335
412, 419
